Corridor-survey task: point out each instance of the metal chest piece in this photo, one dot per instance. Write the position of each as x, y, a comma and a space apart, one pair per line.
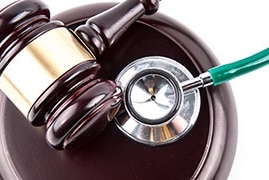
156, 111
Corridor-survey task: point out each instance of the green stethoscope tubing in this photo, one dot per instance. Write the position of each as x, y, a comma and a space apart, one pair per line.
223, 73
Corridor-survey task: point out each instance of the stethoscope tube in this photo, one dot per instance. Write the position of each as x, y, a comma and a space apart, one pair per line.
223, 73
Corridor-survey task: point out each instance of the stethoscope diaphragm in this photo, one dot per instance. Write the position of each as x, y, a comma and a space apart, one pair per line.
156, 111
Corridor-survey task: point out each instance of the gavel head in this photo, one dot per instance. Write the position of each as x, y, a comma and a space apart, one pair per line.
51, 73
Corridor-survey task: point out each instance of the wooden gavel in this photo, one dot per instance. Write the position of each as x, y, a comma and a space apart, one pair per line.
51, 73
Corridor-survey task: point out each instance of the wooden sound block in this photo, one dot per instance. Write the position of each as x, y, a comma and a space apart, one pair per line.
206, 152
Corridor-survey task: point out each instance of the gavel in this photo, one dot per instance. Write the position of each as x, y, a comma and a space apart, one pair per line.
50, 73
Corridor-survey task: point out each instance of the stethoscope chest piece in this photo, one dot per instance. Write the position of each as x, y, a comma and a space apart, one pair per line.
156, 111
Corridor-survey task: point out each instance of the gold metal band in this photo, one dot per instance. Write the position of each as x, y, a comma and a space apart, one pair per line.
39, 64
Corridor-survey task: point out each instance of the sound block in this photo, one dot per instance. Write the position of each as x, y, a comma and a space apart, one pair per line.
206, 152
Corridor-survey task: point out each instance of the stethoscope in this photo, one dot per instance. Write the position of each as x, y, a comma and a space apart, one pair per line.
161, 97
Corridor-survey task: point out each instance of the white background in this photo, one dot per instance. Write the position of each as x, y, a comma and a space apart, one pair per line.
233, 29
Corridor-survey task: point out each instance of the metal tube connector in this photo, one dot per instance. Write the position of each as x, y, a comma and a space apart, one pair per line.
203, 80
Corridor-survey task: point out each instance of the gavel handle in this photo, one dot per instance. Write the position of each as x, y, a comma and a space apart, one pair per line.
102, 31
